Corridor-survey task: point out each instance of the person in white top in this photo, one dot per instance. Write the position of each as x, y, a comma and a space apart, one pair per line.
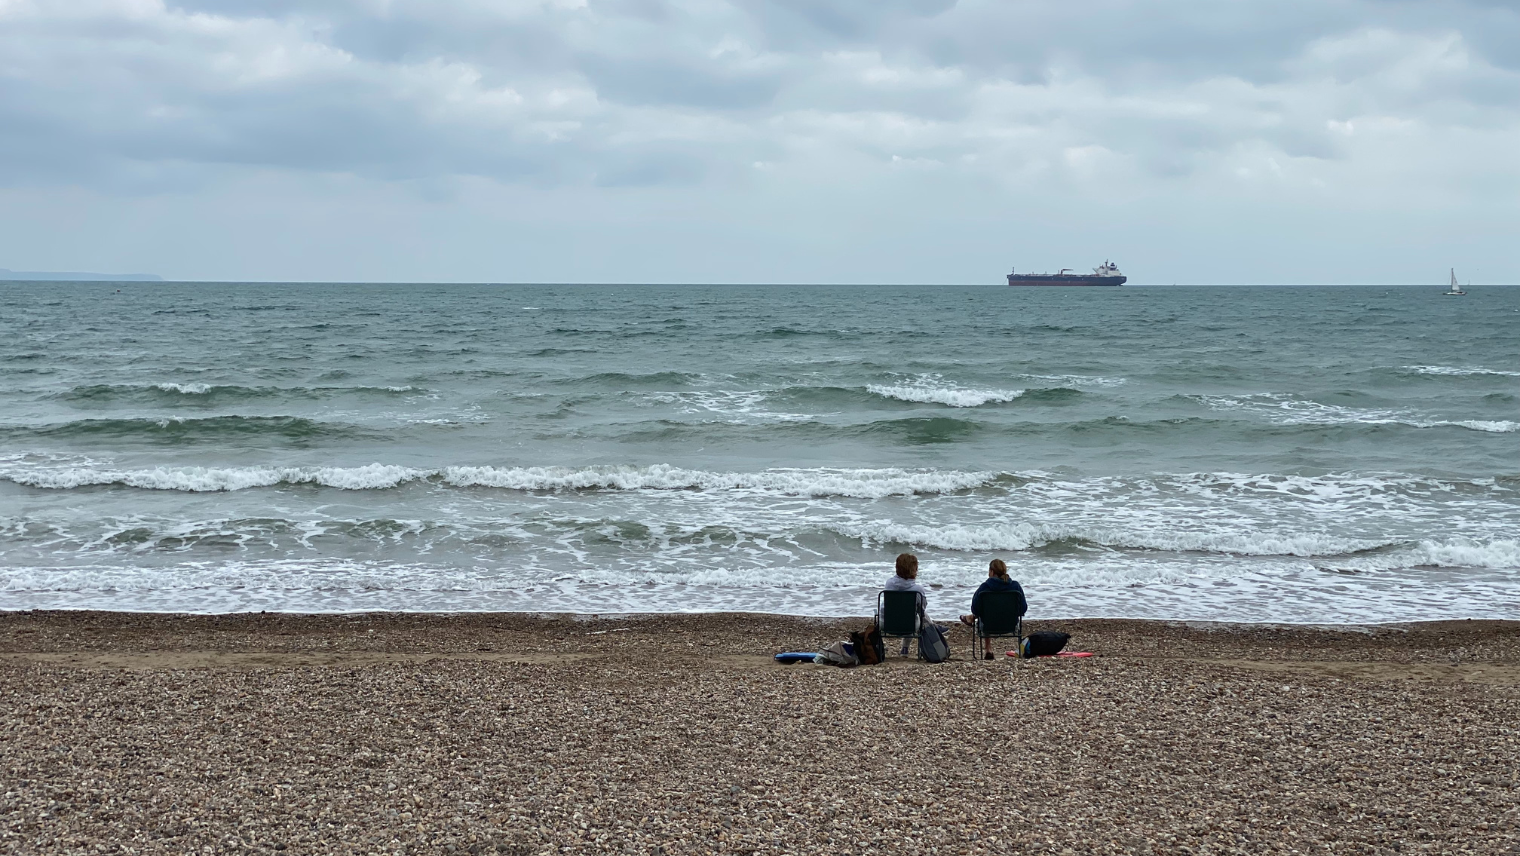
906, 579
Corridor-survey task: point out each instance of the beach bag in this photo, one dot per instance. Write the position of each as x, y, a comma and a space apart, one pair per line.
1043, 644
933, 647
839, 654
868, 648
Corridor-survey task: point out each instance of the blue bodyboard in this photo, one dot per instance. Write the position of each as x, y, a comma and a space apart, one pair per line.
790, 657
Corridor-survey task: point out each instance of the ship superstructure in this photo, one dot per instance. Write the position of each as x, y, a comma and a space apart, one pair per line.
1104, 274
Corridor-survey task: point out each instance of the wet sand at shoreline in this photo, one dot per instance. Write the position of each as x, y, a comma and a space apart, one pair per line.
677, 733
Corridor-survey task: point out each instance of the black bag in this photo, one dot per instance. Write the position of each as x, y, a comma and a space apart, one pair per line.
1043, 643
868, 648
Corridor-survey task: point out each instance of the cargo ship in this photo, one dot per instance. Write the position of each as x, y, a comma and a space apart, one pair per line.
1104, 274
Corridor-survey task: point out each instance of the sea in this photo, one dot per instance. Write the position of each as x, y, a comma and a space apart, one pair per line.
1253, 454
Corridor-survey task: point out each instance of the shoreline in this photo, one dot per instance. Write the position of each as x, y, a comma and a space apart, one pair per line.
623, 615
510, 733
24, 632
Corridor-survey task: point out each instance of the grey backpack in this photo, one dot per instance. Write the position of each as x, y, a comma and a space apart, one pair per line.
933, 647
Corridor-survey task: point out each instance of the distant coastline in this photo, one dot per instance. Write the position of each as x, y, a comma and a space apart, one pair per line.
76, 276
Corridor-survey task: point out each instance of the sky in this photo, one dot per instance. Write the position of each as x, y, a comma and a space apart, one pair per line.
788, 141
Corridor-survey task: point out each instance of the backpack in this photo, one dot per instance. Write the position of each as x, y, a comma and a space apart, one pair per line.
932, 645
868, 648
1043, 644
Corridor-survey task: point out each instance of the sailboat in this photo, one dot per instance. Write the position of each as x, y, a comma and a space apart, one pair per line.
1455, 290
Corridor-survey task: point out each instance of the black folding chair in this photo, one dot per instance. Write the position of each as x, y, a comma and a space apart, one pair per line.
1001, 617
897, 614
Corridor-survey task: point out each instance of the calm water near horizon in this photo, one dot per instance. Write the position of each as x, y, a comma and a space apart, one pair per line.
1345, 454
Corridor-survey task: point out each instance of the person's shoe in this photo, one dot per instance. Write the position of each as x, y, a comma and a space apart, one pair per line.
987, 655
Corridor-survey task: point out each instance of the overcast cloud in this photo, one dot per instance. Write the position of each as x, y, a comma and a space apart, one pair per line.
747, 141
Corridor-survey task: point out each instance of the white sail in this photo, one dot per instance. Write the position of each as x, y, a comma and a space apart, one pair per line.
1455, 290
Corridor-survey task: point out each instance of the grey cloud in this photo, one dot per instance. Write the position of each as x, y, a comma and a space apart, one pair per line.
638, 92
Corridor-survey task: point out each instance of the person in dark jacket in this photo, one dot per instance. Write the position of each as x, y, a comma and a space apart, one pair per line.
997, 580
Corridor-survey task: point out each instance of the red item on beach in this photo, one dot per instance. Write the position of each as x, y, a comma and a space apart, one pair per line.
1062, 654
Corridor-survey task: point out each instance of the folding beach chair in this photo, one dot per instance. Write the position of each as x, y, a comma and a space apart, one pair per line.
1002, 616
897, 614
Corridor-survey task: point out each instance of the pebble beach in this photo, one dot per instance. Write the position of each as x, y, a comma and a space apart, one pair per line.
524, 734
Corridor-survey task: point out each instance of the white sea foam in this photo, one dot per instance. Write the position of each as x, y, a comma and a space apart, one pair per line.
1210, 589
1020, 537
1451, 553
741, 406
184, 388
1456, 370
1332, 487
1287, 410
1491, 426
1504, 553
790, 482
931, 389
207, 479
199, 388
1079, 380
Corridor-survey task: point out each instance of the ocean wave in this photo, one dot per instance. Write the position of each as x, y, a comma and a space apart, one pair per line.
1053, 395
924, 430
207, 393
1079, 380
790, 482
1458, 371
64, 472
260, 533
933, 389
1329, 552
740, 405
179, 429
1159, 588
1455, 553
1022, 537
799, 482
1331, 487
213, 479
624, 380
1287, 410
949, 396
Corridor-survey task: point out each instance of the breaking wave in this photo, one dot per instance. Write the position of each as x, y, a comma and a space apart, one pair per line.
1019, 537
809, 482
947, 395
207, 393
1287, 410
185, 429
1353, 553
1458, 371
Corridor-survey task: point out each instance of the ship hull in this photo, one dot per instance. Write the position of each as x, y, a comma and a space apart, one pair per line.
1068, 279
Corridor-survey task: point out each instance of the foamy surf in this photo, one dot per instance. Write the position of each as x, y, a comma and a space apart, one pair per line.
787, 482
1058, 588
1232, 454
1460, 371
1288, 410
931, 389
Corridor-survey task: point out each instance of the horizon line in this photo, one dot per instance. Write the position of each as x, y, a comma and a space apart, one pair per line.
156, 282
